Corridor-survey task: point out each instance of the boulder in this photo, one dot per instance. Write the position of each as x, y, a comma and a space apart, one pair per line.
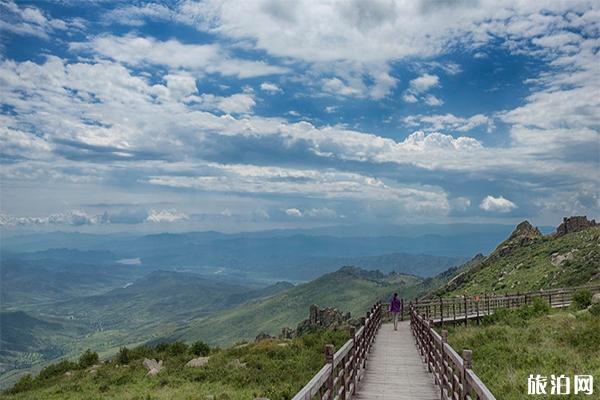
197, 362
153, 366
596, 298
559, 259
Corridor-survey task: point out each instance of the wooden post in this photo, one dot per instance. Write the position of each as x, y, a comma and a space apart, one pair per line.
477, 307
466, 312
487, 303
550, 299
467, 364
329, 352
428, 346
454, 310
441, 311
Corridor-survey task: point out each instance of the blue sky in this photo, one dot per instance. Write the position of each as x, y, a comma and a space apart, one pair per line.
251, 115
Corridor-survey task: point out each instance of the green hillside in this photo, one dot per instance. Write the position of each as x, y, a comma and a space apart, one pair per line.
348, 289
273, 369
511, 345
529, 261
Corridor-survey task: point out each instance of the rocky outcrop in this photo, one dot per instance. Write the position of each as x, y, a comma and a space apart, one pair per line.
326, 318
559, 259
574, 224
287, 333
153, 366
524, 234
263, 336
596, 298
197, 362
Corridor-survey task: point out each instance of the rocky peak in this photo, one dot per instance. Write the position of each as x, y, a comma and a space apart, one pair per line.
524, 234
574, 224
525, 230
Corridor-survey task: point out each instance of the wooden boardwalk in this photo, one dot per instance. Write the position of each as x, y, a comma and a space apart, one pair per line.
395, 369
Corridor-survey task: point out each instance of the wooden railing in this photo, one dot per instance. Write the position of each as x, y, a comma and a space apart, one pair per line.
452, 373
463, 308
343, 369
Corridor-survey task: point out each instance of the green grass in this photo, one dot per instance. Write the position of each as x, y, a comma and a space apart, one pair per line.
529, 267
511, 345
274, 369
349, 290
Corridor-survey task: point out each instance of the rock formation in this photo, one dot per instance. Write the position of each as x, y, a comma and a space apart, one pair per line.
326, 318
197, 362
524, 234
152, 366
574, 224
263, 336
287, 333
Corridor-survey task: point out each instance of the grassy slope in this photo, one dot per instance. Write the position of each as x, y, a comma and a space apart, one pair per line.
344, 289
274, 369
529, 267
507, 351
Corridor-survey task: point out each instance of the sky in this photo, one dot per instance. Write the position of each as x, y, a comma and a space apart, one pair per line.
229, 115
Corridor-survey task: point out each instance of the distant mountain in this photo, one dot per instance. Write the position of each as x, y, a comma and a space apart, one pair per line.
33, 279
298, 255
528, 260
157, 298
349, 289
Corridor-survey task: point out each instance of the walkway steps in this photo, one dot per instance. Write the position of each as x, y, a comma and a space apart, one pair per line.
395, 369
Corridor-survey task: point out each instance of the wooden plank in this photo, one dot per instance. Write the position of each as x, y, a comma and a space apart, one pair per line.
395, 369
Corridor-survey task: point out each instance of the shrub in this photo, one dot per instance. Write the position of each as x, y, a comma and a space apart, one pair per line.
199, 348
25, 383
582, 299
124, 355
540, 306
595, 310
57, 369
88, 358
173, 349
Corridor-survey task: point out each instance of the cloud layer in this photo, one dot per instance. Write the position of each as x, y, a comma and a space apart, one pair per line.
317, 111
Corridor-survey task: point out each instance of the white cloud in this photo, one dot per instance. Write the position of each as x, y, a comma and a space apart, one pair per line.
418, 87
270, 87
449, 122
209, 58
73, 217
331, 109
180, 86
497, 204
431, 100
424, 82
237, 104
161, 216
31, 21
293, 212
321, 213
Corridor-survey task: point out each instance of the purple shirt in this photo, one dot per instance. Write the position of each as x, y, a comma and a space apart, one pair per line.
395, 305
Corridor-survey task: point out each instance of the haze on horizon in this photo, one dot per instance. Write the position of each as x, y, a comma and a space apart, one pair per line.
183, 115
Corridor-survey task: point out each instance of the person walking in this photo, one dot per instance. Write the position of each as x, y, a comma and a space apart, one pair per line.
395, 309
